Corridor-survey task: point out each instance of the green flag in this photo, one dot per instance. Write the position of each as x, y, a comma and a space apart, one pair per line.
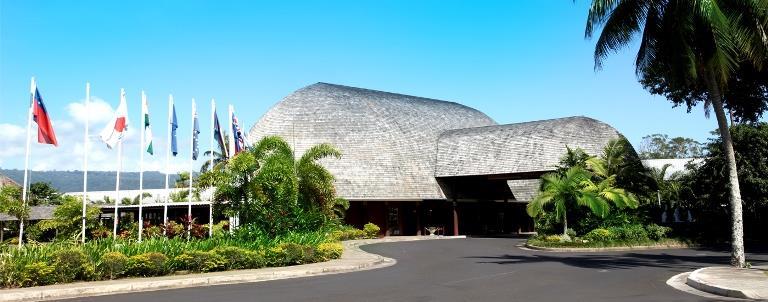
147, 131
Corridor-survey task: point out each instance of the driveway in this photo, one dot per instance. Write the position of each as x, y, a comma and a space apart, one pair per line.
475, 269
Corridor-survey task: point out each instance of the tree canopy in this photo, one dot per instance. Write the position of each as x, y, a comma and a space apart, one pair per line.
661, 146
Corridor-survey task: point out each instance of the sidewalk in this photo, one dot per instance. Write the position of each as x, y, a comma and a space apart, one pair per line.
732, 282
353, 259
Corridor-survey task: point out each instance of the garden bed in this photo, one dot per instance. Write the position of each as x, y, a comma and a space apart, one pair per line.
106, 259
538, 244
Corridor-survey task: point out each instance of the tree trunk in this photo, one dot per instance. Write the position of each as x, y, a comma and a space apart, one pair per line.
565, 224
737, 222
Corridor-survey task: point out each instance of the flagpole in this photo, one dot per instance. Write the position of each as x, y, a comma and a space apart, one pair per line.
85, 157
117, 180
191, 162
233, 220
167, 164
117, 184
32, 87
210, 166
141, 165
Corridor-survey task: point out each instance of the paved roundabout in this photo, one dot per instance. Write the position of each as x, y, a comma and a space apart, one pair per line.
475, 269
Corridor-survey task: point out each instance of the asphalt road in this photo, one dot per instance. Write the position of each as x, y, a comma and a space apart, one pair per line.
475, 270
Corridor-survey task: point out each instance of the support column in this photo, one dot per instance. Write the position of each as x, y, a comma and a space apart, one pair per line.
455, 220
418, 219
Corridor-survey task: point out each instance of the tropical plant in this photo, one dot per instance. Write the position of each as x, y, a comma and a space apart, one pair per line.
575, 188
690, 44
266, 185
11, 204
67, 218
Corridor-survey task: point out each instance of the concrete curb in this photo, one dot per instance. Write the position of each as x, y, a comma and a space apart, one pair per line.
608, 249
696, 282
353, 259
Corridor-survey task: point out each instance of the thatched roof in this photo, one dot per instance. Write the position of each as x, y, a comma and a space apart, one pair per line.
518, 148
388, 140
35, 213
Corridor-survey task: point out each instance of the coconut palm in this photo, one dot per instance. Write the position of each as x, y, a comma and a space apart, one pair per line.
686, 42
315, 181
218, 157
575, 188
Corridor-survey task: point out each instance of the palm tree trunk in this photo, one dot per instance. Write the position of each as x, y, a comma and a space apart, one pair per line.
565, 224
737, 222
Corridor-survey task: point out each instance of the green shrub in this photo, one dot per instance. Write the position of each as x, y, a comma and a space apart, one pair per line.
371, 230
632, 232
113, 265
329, 250
656, 232
147, 264
571, 233
72, 264
198, 261
553, 238
600, 235
347, 234
296, 253
276, 256
38, 273
234, 257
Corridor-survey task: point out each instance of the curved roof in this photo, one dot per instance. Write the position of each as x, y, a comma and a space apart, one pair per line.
518, 148
388, 140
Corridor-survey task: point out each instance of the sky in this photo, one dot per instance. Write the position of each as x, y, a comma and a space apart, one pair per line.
513, 60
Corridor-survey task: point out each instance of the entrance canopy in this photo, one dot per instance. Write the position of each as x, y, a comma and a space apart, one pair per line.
505, 161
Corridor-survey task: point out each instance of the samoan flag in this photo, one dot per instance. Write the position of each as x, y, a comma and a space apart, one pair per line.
174, 126
45, 134
218, 134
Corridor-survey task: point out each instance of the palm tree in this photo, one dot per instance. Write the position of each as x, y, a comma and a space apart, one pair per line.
689, 41
575, 188
218, 157
315, 181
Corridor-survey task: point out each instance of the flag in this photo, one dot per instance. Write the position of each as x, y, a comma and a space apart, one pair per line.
174, 126
147, 129
237, 134
115, 130
45, 134
195, 132
218, 134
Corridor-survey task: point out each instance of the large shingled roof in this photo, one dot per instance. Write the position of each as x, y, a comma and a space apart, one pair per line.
518, 148
388, 140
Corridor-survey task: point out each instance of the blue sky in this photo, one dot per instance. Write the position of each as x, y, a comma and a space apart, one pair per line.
514, 60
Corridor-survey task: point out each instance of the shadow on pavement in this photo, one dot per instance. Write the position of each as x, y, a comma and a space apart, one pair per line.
617, 261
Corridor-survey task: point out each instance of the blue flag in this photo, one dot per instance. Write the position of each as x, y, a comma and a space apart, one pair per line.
195, 132
174, 125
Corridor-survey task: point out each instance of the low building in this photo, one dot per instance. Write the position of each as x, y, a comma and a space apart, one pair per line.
412, 163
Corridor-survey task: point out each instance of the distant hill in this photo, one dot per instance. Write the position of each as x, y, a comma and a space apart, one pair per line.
72, 181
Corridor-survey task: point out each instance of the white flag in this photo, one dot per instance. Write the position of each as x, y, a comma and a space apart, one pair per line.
115, 130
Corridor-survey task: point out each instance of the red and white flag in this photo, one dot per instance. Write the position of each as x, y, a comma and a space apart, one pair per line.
115, 130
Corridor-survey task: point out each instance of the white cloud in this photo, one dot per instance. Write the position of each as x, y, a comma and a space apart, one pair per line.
98, 111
